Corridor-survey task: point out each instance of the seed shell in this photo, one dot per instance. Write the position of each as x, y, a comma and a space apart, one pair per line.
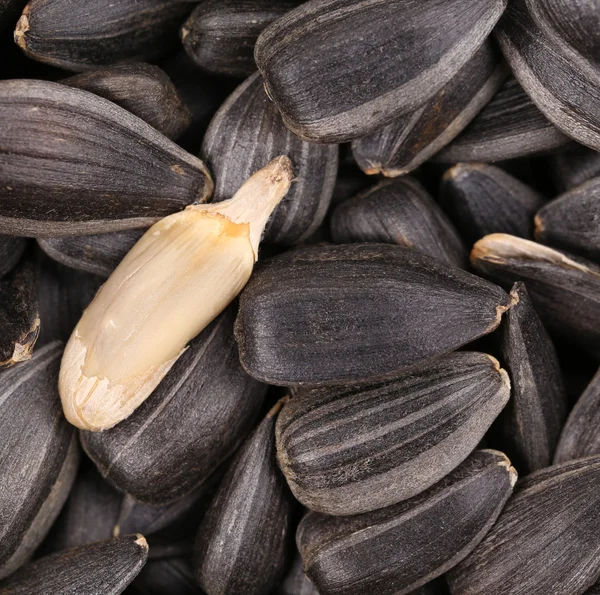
395, 550
11, 250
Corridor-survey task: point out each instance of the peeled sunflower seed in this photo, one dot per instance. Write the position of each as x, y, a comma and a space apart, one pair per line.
248, 131
580, 436
74, 163
482, 199
98, 254
219, 35
565, 291
574, 166
409, 141
546, 540
335, 314
253, 498
509, 126
399, 212
19, 314
38, 456
561, 82
394, 550
74, 36
352, 449
295, 581
181, 274
105, 567
197, 416
572, 221
172, 575
297, 53
143, 90
11, 250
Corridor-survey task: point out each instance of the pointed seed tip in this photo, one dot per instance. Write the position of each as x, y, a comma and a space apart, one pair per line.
21, 29
538, 227
274, 411
141, 541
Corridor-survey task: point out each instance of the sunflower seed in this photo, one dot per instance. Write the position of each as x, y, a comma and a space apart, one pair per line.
298, 53
295, 581
76, 163
394, 550
11, 250
574, 166
399, 212
167, 575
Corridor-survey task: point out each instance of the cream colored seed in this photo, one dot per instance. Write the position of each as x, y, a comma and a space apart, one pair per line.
179, 276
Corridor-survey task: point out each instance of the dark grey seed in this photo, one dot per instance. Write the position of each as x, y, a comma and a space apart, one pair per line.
173, 576
574, 166
98, 254
219, 35
509, 126
572, 221
352, 449
564, 290
75, 163
412, 139
142, 89
295, 581
482, 199
19, 314
198, 415
399, 212
394, 550
243, 542
335, 314
562, 83
38, 456
248, 132
546, 540
78, 37
11, 250
101, 568
383, 68
530, 425
9, 12
580, 437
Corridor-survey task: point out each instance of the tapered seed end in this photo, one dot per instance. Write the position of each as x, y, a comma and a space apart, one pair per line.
21, 30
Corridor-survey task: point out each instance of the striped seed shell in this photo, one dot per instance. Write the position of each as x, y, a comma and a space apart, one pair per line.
483, 199
38, 456
572, 221
76, 36
75, 163
295, 581
254, 498
560, 81
409, 141
11, 250
105, 567
546, 540
173, 576
335, 314
395, 550
298, 53
142, 89
399, 212
219, 35
508, 127
198, 415
352, 449
564, 290
246, 133
574, 166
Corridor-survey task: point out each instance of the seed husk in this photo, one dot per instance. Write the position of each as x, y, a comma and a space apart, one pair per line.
181, 274
546, 539
247, 132
394, 550
167, 575
11, 250
409, 141
39, 455
564, 290
78, 37
76, 163
253, 496
336, 314
574, 166
19, 314
219, 35
572, 221
295, 581
105, 567
143, 90
98, 254
483, 199
297, 53
399, 212
508, 127
560, 81
352, 449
